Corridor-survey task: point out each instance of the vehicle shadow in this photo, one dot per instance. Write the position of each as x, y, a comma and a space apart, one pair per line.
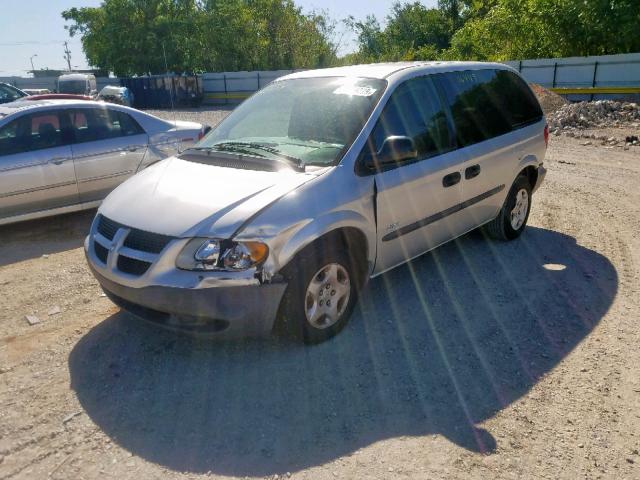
45, 236
435, 347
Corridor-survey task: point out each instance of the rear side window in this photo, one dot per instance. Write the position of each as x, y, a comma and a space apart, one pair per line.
488, 103
414, 110
95, 124
32, 132
126, 123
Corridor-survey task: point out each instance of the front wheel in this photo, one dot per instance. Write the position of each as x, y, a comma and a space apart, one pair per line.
320, 296
512, 219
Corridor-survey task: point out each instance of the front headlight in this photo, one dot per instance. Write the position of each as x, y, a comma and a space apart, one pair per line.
208, 254
243, 255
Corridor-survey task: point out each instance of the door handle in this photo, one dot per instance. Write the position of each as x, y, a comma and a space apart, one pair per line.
472, 171
451, 179
58, 160
134, 148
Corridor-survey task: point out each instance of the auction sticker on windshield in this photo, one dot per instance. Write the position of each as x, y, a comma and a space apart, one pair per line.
355, 90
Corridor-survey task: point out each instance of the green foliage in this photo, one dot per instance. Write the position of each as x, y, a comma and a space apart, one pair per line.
501, 30
413, 32
127, 36
517, 29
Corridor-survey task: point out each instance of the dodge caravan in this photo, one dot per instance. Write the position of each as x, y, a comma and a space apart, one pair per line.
321, 180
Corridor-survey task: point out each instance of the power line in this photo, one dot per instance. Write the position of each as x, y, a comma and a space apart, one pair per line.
17, 44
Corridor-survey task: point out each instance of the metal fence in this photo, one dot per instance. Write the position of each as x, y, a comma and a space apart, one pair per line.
585, 78
233, 87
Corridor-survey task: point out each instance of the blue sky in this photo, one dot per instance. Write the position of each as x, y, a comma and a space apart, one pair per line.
35, 27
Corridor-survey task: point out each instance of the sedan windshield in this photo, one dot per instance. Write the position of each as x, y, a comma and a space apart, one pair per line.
309, 121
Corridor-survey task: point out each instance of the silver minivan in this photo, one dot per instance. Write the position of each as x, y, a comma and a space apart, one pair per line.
321, 180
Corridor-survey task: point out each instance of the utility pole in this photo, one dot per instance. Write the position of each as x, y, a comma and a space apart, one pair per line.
33, 70
67, 55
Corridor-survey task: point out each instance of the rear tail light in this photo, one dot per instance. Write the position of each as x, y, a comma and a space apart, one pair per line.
546, 135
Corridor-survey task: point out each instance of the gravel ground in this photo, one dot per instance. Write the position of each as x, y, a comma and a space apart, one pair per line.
479, 360
208, 115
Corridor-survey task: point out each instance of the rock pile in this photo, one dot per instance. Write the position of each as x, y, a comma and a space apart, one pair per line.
602, 113
549, 101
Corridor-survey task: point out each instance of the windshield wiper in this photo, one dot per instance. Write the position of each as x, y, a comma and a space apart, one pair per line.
279, 156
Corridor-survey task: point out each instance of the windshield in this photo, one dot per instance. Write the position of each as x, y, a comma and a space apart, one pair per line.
9, 94
310, 120
72, 86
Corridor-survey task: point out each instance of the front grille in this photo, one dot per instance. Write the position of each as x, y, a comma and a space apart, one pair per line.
146, 241
132, 266
107, 227
137, 239
101, 252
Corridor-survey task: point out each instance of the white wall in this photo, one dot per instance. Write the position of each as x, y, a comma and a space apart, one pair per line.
610, 71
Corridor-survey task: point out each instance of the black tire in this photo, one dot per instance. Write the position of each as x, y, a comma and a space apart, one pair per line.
501, 228
292, 315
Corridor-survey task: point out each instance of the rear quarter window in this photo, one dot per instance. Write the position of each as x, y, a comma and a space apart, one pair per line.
488, 103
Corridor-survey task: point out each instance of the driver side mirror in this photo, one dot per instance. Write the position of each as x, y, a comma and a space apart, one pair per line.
395, 149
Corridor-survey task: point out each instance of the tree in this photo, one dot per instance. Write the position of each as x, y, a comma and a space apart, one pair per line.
371, 40
133, 36
413, 32
517, 29
452, 10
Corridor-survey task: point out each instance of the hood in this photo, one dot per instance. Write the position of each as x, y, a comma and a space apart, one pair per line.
183, 199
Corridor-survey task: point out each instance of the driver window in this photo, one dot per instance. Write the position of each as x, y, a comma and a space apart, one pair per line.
415, 111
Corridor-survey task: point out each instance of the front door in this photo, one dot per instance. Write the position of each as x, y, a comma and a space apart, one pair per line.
415, 200
36, 165
108, 148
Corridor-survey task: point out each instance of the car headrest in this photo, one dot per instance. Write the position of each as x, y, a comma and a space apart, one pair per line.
47, 131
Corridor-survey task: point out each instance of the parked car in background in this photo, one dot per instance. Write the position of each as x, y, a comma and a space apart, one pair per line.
64, 155
317, 182
115, 94
36, 91
78, 84
9, 93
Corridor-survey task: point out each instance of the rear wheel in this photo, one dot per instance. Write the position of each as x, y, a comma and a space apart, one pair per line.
513, 216
320, 296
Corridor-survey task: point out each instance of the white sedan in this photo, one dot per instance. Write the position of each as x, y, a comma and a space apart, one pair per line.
60, 156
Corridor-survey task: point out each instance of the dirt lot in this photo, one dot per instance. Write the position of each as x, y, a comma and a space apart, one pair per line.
481, 360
